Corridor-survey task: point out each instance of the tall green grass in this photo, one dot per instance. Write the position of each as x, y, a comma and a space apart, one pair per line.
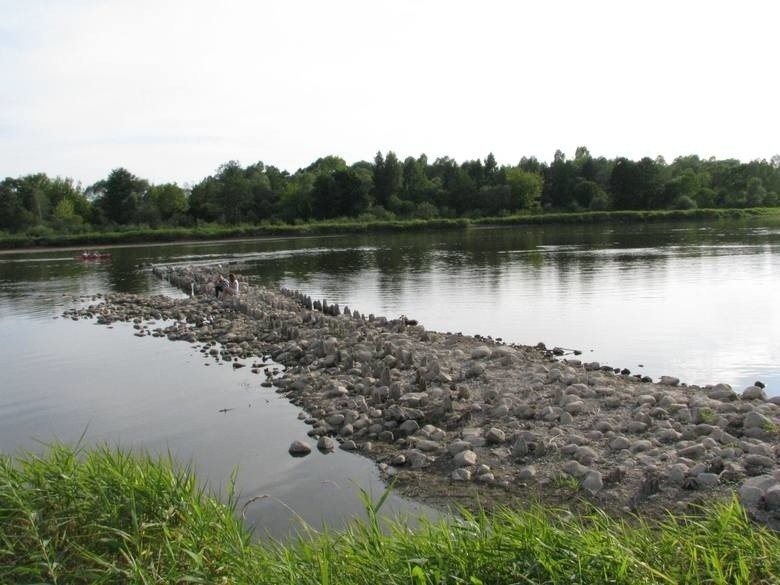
107, 516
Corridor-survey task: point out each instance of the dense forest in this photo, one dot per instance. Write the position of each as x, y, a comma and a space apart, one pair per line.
387, 188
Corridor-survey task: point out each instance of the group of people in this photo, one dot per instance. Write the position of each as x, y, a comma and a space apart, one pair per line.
226, 286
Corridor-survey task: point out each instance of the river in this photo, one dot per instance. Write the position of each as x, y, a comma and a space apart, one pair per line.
695, 301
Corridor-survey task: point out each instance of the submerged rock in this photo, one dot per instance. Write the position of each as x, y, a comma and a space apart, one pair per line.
299, 449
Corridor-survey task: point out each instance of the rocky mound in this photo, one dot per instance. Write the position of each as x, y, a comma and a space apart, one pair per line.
463, 419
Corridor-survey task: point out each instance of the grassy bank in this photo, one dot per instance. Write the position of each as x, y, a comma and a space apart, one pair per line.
105, 516
216, 232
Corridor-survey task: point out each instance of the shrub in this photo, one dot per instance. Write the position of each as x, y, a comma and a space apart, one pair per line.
684, 202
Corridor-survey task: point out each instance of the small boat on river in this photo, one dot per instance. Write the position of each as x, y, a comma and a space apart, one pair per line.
93, 256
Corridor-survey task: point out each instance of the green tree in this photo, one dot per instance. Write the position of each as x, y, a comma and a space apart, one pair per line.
684, 202
263, 197
203, 201
624, 184
234, 192
531, 165
685, 185
492, 175
64, 216
425, 210
462, 191
416, 185
168, 199
589, 195
754, 192
119, 195
327, 164
340, 194
525, 187
58, 189
13, 215
476, 172
278, 180
705, 198
495, 200
635, 185
388, 177
32, 192
581, 156
560, 178
296, 201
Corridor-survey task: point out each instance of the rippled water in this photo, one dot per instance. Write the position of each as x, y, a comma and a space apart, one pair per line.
693, 301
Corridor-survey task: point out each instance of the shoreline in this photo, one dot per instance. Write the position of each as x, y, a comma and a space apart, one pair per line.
74, 248
171, 236
454, 419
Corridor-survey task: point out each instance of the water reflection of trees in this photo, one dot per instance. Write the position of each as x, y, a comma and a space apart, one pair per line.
41, 284
395, 263
479, 254
490, 251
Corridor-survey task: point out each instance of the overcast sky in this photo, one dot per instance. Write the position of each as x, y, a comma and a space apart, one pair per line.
171, 89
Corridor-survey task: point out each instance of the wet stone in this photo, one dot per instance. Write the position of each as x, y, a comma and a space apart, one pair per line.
299, 449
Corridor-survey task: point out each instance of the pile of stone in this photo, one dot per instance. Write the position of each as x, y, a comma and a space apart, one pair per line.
454, 416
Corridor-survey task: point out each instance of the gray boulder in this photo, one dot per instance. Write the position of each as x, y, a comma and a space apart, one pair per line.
299, 449
575, 469
772, 498
326, 444
585, 455
475, 370
722, 392
481, 352
461, 474
754, 393
417, 459
409, 427
756, 420
426, 445
457, 446
592, 482
708, 480
495, 436
526, 473
619, 443
349, 445
465, 458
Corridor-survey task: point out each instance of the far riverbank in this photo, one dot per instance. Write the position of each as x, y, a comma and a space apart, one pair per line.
215, 233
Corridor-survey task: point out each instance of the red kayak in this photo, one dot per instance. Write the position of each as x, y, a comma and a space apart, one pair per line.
93, 256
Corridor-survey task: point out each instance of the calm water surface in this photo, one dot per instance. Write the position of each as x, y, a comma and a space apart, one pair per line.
693, 301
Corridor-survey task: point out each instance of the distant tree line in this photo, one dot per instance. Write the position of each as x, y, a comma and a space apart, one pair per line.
388, 188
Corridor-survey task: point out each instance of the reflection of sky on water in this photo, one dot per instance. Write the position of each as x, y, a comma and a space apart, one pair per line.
66, 379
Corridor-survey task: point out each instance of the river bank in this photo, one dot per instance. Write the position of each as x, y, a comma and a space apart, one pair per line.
108, 516
215, 233
472, 421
